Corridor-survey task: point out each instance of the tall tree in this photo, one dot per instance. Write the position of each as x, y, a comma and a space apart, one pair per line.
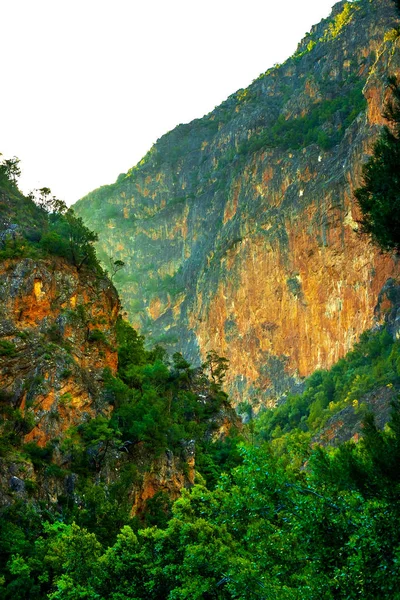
379, 196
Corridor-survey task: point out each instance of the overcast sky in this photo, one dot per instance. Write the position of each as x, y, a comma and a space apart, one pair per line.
89, 85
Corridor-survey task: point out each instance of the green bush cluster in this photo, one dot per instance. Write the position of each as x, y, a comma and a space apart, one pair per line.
42, 225
317, 127
38, 455
268, 530
157, 404
96, 335
7, 348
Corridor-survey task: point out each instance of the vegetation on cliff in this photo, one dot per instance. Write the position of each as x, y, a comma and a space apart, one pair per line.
379, 196
224, 213
82, 455
269, 515
373, 363
40, 225
263, 518
281, 519
317, 127
268, 529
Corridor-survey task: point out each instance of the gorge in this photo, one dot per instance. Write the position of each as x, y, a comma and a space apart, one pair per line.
239, 230
237, 262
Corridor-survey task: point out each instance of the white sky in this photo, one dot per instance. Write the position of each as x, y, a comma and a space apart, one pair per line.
89, 85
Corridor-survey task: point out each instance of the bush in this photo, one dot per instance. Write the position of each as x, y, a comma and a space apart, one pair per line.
7, 348
54, 243
96, 335
38, 455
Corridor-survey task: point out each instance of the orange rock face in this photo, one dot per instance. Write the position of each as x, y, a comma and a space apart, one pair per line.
168, 475
248, 244
58, 334
54, 370
305, 306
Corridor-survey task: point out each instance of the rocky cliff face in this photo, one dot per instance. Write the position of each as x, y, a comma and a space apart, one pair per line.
239, 229
57, 335
57, 329
58, 363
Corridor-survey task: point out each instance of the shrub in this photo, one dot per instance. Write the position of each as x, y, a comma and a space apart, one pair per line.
7, 348
95, 335
38, 455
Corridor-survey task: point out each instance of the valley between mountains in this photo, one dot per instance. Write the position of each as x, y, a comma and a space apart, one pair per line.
200, 363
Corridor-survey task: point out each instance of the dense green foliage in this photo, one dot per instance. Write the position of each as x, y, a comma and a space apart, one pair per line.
374, 362
379, 196
317, 127
268, 530
158, 406
40, 225
263, 526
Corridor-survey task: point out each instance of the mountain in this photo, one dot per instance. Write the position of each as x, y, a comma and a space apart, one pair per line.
239, 230
89, 419
101, 434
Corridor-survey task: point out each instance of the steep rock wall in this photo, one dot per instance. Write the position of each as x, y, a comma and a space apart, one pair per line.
52, 363
239, 230
57, 336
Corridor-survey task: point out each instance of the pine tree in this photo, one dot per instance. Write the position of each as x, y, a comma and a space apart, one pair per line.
379, 196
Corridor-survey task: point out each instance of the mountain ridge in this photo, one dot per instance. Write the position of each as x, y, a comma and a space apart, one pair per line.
238, 229
99, 433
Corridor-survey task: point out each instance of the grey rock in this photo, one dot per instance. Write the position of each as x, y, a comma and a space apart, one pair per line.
17, 485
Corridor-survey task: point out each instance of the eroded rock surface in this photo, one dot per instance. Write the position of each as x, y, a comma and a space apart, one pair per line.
57, 329
239, 230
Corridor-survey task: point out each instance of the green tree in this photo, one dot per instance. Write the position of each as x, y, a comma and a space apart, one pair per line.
66, 236
379, 196
115, 266
80, 240
215, 368
74, 553
99, 438
10, 170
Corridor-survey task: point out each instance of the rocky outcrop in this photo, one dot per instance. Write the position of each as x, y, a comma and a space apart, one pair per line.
239, 230
347, 424
57, 335
57, 329
57, 342
168, 475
